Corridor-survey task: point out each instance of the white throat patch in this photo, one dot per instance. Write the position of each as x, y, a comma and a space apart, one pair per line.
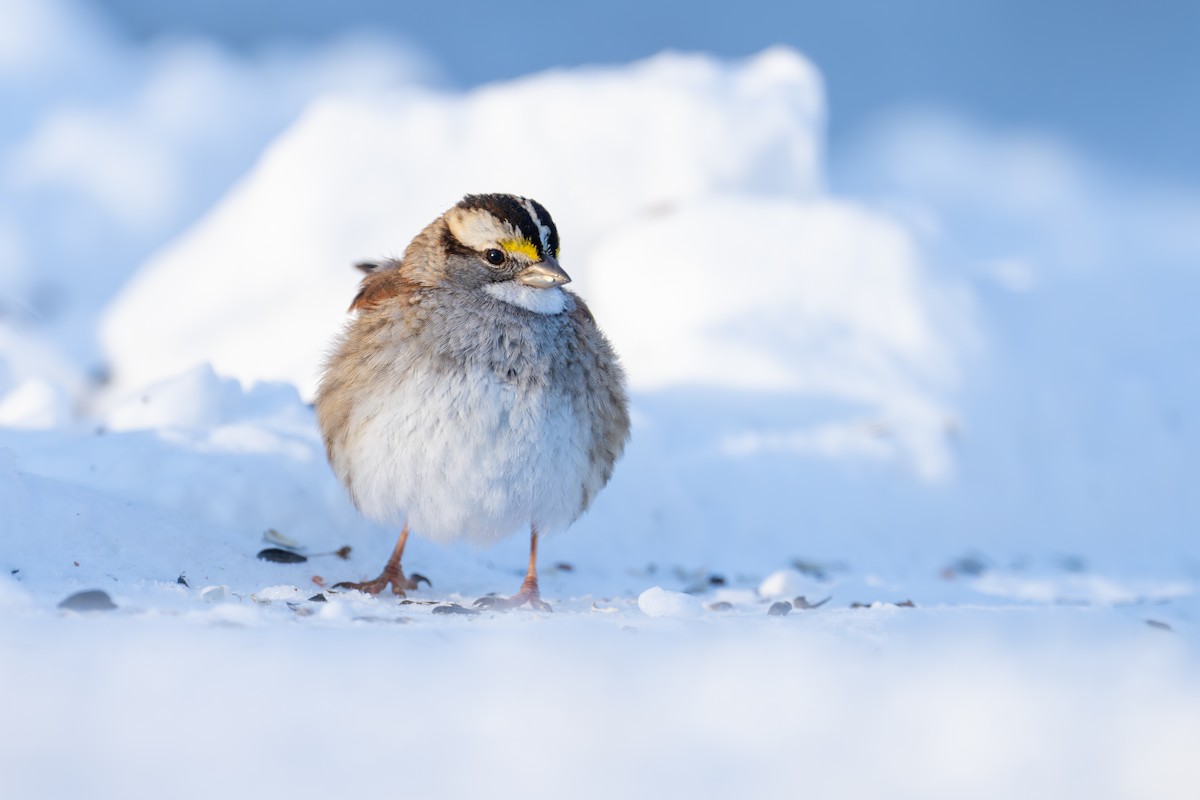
539, 301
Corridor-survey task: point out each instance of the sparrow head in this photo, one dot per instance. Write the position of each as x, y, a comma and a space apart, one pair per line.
506, 246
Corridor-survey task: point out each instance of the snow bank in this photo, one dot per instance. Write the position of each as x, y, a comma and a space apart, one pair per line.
108, 151
821, 300
40, 386
259, 286
688, 193
192, 465
1079, 427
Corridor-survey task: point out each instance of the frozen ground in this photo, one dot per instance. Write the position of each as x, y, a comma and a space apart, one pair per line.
948, 402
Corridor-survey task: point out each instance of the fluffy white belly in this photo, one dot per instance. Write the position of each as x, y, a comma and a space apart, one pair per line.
467, 456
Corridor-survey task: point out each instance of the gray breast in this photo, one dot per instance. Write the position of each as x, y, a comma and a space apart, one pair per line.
527, 350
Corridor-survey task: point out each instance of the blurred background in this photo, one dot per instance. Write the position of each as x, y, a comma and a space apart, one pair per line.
1115, 80
971, 229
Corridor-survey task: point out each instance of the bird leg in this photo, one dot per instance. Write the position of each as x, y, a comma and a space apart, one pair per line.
529, 588
391, 574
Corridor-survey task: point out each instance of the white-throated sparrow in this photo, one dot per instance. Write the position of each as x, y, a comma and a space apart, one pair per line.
472, 395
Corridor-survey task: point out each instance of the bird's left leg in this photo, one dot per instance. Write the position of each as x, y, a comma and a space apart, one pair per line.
392, 574
529, 589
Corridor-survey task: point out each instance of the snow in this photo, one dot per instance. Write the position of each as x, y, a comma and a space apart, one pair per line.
786, 584
667, 717
948, 405
337, 188
659, 602
110, 151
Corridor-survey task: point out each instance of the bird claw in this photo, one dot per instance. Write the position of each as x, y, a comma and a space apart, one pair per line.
400, 583
532, 598
369, 587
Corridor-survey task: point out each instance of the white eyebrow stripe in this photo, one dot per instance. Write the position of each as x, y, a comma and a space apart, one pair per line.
478, 229
543, 230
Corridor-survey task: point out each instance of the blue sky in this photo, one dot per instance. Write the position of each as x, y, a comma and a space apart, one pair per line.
1118, 80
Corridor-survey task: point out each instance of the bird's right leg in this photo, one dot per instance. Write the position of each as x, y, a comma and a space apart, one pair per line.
529, 589
392, 573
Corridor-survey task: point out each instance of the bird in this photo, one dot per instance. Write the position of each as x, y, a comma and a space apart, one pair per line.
471, 395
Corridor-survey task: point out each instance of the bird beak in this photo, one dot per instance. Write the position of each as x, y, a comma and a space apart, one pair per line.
544, 274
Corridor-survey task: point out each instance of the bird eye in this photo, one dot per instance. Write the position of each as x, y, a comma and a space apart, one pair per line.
494, 257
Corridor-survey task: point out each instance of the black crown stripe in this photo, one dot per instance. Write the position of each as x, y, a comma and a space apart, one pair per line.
509, 208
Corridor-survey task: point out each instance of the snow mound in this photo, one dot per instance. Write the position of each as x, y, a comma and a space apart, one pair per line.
259, 286
689, 197
109, 151
199, 399
820, 298
39, 386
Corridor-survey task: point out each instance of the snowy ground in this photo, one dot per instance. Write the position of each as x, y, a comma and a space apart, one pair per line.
948, 402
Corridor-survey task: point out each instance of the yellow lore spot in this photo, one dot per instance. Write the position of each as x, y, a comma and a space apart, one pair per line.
522, 246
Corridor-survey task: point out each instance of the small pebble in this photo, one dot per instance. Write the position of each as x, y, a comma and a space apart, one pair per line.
214, 594
281, 556
454, 608
967, 565
720, 605
275, 537
89, 600
811, 569
780, 608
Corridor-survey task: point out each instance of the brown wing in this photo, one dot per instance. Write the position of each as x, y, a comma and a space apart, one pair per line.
378, 287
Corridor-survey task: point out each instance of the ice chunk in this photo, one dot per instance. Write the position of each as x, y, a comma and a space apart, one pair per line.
283, 593
660, 602
783, 583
